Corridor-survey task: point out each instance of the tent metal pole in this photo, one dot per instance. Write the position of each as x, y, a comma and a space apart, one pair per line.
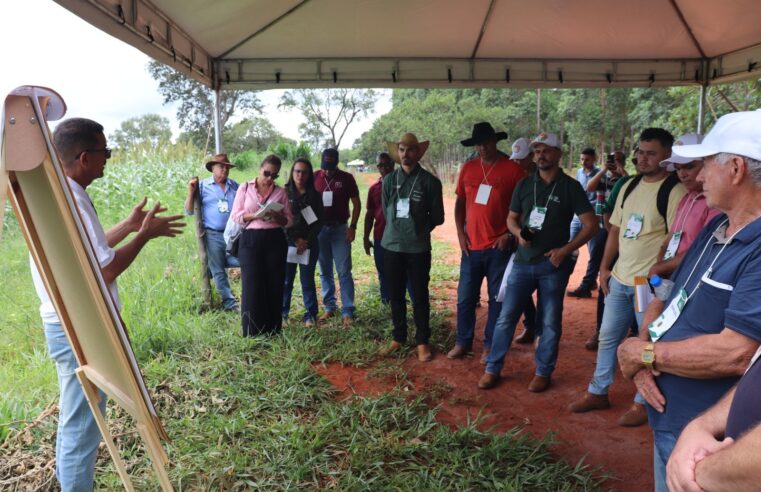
701, 108
217, 122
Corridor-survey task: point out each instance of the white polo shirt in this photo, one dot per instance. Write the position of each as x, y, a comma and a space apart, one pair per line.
103, 252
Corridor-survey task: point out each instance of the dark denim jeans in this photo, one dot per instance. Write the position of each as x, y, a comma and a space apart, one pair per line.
308, 287
415, 269
218, 261
524, 279
379, 253
476, 265
663, 445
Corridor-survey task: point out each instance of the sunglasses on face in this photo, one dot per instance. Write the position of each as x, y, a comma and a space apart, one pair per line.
106, 152
268, 174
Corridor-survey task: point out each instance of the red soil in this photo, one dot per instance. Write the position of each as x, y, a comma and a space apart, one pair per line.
624, 453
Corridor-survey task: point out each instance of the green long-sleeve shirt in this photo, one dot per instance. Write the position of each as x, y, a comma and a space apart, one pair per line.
426, 210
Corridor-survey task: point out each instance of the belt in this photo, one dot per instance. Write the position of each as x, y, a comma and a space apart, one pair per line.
215, 230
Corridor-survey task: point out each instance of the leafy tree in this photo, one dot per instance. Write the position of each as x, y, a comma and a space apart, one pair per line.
150, 130
196, 110
255, 133
328, 112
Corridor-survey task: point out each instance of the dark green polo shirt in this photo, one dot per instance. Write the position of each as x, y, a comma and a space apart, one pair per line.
568, 198
412, 234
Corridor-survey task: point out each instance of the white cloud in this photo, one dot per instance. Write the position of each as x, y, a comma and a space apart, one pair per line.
99, 76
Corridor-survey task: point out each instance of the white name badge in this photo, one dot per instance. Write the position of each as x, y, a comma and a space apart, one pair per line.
403, 208
634, 226
327, 198
668, 317
308, 215
673, 246
222, 206
482, 196
536, 218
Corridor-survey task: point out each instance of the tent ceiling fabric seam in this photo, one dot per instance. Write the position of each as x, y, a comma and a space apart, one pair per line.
687, 26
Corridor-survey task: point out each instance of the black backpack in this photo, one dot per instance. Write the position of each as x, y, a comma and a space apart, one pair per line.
662, 200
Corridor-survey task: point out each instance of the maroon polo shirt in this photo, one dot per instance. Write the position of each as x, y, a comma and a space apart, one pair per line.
344, 187
375, 207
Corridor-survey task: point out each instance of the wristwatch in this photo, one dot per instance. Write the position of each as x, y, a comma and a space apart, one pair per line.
648, 355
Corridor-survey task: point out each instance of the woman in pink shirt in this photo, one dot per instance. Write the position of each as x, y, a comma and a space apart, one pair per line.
262, 208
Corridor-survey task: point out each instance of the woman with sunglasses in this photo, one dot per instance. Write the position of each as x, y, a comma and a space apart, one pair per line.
262, 208
306, 206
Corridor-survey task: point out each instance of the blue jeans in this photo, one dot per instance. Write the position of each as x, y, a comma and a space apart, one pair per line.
476, 265
308, 287
596, 248
335, 248
523, 280
663, 445
379, 252
78, 434
218, 261
616, 320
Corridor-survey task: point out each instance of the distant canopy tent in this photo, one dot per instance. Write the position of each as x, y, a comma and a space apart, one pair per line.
261, 44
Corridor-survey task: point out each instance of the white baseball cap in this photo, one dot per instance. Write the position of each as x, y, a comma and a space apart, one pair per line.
734, 133
549, 139
520, 149
688, 139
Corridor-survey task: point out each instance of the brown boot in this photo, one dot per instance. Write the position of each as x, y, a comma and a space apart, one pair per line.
457, 352
589, 402
593, 341
424, 353
539, 384
484, 356
391, 349
348, 320
526, 336
325, 316
488, 381
634, 417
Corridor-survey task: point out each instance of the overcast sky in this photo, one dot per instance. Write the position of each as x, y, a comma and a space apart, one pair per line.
99, 77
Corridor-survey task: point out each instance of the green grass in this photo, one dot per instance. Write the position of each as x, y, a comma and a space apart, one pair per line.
253, 413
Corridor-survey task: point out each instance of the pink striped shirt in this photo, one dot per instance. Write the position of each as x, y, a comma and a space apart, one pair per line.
691, 215
249, 201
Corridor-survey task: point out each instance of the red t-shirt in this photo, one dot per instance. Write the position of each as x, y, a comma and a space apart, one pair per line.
344, 187
375, 207
485, 223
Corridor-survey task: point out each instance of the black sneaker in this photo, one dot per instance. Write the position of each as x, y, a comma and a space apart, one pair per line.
580, 292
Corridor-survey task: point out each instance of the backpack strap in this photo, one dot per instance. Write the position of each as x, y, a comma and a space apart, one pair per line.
632, 185
664, 192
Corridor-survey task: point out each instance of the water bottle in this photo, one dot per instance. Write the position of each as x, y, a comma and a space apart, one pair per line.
661, 286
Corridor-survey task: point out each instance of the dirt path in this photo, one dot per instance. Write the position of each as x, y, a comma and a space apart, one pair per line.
624, 453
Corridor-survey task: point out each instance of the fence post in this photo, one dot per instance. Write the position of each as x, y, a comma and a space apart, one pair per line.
200, 232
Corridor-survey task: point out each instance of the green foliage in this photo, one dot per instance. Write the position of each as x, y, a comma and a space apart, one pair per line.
255, 133
196, 103
149, 130
289, 152
328, 112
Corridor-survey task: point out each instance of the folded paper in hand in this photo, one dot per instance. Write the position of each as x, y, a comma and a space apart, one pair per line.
268, 207
294, 257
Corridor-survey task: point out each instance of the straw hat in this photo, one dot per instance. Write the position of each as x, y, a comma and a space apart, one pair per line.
408, 139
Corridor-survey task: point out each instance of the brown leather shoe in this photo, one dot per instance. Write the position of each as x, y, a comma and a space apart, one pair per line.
634, 417
592, 342
457, 352
526, 336
325, 316
348, 320
488, 381
484, 357
391, 349
539, 384
424, 353
589, 402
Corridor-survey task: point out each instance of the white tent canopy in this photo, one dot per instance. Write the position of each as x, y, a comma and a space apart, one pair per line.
260, 44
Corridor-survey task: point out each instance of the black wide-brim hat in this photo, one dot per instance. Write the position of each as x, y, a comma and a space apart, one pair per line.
481, 133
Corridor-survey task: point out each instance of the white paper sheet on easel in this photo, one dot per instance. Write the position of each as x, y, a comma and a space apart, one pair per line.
294, 257
503, 285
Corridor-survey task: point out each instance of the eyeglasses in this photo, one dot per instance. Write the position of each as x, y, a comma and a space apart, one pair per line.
268, 174
106, 152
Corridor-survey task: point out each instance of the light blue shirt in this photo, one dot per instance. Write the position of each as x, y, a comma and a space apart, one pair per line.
584, 178
216, 205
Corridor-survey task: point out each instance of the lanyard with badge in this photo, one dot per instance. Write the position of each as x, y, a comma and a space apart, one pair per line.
668, 317
327, 195
222, 206
484, 189
676, 237
403, 204
538, 214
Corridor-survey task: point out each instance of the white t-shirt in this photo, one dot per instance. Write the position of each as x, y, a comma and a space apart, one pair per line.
103, 252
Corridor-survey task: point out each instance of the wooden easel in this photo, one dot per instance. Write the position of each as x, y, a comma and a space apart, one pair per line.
51, 224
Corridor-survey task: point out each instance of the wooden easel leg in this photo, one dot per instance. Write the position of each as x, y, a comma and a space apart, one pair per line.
158, 457
93, 398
